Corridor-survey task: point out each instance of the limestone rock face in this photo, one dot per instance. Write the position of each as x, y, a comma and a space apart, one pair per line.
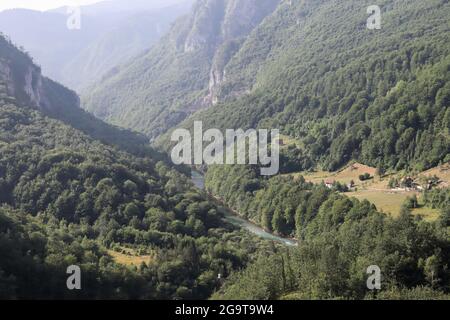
6, 78
33, 87
21, 80
25, 85
216, 26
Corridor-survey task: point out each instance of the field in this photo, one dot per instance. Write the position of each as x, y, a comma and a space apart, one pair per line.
129, 258
376, 190
391, 202
346, 175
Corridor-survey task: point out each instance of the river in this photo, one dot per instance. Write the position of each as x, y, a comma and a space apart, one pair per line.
199, 181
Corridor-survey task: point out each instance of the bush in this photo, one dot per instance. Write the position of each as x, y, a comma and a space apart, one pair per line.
365, 177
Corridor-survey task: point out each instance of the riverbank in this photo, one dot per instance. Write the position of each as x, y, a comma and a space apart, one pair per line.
235, 218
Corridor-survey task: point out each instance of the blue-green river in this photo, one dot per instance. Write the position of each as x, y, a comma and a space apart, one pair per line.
199, 182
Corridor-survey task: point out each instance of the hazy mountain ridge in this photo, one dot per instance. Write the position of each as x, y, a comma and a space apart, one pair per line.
128, 38
118, 6
179, 75
78, 57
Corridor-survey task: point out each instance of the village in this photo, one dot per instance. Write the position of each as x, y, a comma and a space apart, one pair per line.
388, 191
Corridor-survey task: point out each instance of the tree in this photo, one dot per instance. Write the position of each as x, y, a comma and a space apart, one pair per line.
431, 270
412, 202
380, 170
278, 222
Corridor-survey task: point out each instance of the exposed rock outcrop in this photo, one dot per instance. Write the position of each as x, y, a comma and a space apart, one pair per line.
33, 87
21, 80
217, 26
6, 78
24, 84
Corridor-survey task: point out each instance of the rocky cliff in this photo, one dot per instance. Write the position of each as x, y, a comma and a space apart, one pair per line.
220, 26
22, 80
22, 85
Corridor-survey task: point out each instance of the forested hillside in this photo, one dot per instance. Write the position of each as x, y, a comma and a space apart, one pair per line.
68, 199
339, 238
77, 191
343, 91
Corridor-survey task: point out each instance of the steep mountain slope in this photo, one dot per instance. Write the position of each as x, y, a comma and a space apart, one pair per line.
180, 75
105, 34
313, 70
66, 199
22, 83
46, 36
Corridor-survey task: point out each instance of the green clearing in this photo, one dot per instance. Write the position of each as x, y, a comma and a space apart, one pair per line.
376, 190
129, 257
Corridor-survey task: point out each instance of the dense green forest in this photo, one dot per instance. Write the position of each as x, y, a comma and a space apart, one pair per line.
67, 198
339, 238
313, 70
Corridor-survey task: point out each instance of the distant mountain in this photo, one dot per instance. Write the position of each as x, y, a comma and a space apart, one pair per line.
111, 32
120, 7
178, 76
124, 41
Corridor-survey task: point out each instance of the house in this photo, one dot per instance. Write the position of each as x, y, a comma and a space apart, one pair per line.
407, 182
330, 183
